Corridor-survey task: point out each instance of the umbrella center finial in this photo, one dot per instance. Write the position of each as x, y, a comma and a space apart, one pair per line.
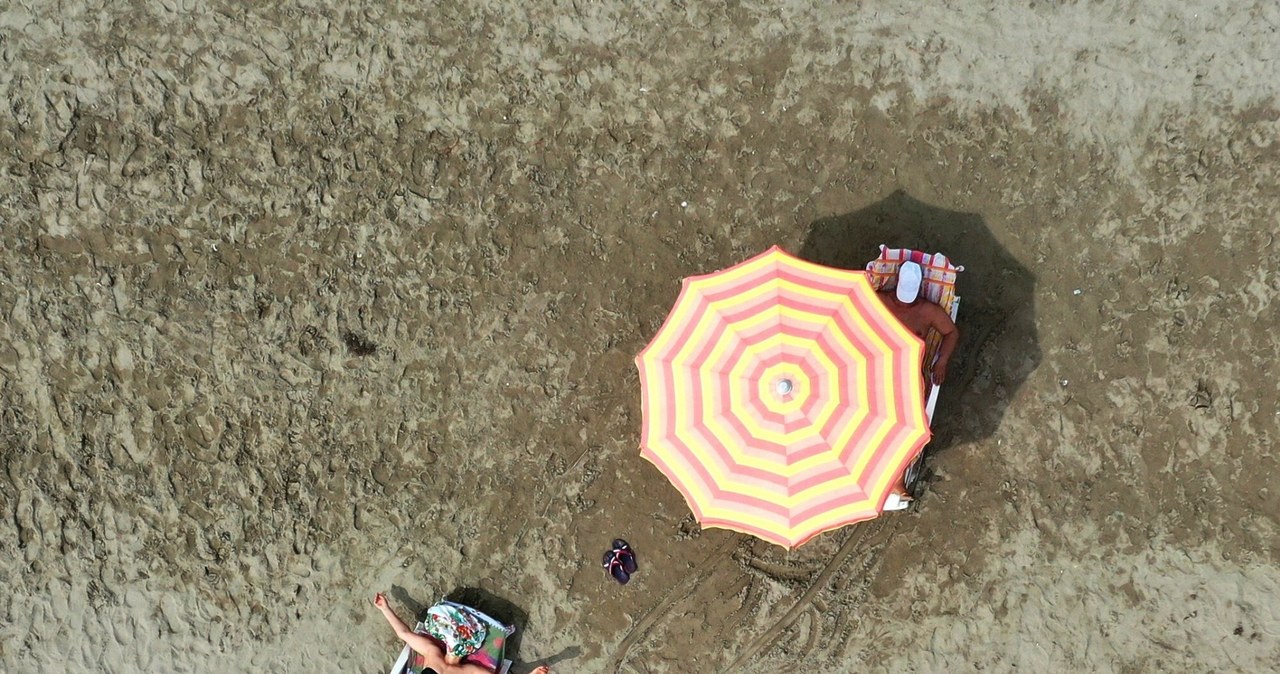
783, 387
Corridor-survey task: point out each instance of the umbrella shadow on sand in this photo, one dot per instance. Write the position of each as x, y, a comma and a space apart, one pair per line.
998, 346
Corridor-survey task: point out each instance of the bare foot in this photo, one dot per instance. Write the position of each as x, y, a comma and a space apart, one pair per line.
541, 669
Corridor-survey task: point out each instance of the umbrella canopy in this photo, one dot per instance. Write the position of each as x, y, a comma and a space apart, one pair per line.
782, 398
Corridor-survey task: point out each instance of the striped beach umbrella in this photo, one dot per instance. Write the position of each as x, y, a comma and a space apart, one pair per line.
782, 398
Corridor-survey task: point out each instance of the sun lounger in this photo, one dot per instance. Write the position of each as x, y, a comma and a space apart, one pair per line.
491, 656
939, 287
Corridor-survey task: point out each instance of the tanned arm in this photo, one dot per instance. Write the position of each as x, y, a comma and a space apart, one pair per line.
429, 649
417, 642
950, 337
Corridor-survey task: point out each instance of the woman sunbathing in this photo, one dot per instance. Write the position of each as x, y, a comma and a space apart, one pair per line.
460, 633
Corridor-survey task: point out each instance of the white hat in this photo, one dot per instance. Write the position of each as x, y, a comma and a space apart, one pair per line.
909, 277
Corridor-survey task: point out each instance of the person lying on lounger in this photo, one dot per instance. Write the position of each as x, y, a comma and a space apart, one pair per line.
919, 316
460, 633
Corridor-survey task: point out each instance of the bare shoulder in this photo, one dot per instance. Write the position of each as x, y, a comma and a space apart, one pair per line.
940, 318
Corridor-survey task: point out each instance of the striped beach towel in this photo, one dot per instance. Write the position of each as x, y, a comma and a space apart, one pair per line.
490, 655
939, 285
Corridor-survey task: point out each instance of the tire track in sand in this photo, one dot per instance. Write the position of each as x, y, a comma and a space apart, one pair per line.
805, 601
677, 591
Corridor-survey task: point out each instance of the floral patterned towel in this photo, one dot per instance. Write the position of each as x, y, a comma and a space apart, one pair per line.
490, 652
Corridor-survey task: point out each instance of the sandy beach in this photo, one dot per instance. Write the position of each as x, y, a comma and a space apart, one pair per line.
307, 301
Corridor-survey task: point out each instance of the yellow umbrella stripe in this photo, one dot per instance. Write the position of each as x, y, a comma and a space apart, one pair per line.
704, 490
763, 263
836, 515
837, 389
702, 452
725, 482
906, 451
772, 344
715, 477
900, 369
679, 322
900, 453
866, 300
715, 462
767, 264
755, 322
856, 364
803, 388
874, 437
882, 431
705, 498
752, 425
846, 484
682, 360
718, 480
730, 441
719, 475
690, 304
739, 292
655, 412
679, 471
847, 433
771, 526
715, 310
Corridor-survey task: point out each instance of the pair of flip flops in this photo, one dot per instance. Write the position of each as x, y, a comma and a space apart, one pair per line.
620, 562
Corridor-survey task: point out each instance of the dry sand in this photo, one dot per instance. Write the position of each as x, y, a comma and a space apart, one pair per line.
304, 303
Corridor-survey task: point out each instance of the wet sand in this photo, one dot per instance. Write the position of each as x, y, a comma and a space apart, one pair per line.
300, 304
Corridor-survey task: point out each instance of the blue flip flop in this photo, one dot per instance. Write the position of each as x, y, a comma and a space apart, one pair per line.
620, 561
623, 550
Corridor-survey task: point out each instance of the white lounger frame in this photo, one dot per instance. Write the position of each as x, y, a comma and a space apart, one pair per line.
896, 502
